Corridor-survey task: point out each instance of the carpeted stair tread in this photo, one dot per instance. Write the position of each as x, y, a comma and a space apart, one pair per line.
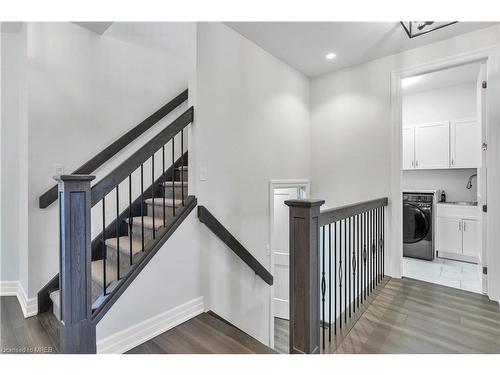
125, 244
169, 202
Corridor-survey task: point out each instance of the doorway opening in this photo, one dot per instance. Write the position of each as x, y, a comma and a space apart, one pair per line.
279, 192
444, 176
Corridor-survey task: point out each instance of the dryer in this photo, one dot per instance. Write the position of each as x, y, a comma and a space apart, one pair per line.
417, 225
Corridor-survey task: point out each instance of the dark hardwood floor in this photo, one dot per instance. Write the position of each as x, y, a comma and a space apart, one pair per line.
203, 334
404, 316
411, 316
19, 335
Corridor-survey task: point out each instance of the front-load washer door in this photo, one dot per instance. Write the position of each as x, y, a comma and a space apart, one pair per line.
416, 225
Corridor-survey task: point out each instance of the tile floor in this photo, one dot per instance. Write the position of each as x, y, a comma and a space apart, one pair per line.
460, 275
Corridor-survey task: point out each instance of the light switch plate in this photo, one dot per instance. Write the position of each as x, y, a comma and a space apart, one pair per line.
58, 169
203, 174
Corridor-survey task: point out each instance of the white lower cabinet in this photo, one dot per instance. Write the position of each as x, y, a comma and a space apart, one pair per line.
470, 236
457, 232
449, 238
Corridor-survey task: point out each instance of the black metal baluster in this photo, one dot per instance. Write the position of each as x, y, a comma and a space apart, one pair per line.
130, 216
173, 177
374, 249
340, 275
365, 292
323, 286
153, 192
349, 265
117, 233
164, 186
369, 252
104, 247
383, 242
358, 259
182, 166
380, 244
345, 271
354, 264
335, 275
329, 282
142, 206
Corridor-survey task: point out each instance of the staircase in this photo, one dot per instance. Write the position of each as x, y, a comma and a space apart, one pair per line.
140, 204
126, 251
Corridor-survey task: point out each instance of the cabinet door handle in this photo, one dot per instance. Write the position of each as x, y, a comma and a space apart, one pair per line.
452, 162
460, 225
464, 226
416, 163
412, 163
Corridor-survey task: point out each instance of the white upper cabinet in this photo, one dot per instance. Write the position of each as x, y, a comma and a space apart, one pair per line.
465, 144
409, 147
432, 145
442, 145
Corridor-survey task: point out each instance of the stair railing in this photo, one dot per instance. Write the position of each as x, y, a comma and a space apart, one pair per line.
50, 196
347, 241
76, 199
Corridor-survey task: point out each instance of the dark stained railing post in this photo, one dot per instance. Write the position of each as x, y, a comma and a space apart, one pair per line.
304, 275
77, 328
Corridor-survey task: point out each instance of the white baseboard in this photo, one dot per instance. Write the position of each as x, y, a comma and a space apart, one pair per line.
129, 338
29, 306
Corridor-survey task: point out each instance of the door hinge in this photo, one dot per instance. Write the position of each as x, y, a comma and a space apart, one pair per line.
484, 84
485, 208
485, 270
484, 146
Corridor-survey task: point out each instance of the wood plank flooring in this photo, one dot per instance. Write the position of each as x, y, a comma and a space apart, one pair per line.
203, 334
19, 335
411, 316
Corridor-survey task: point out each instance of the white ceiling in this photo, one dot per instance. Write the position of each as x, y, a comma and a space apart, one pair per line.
444, 78
303, 45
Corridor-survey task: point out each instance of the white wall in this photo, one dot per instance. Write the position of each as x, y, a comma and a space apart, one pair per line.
252, 125
454, 102
13, 126
172, 278
448, 103
85, 90
452, 181
351, 122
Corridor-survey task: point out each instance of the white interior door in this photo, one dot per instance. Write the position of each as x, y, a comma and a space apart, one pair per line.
408, 147
281, 249
432, 145
465, 143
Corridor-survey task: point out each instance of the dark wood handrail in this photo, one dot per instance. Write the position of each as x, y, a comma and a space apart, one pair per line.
220, 231
333, 215
115, 177
50, 196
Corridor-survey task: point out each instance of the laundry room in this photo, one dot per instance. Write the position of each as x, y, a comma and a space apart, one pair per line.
444, 177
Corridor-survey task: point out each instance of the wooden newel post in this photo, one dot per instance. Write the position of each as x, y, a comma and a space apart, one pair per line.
304, 275
77, 328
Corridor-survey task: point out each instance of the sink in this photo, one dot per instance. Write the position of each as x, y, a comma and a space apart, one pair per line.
462, 203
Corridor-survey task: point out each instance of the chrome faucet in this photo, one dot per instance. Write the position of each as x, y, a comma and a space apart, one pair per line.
469, 183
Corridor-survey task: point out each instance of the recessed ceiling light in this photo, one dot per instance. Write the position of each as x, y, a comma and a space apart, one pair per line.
330, 56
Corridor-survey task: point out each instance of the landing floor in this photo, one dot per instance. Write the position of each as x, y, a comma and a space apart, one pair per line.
204, 334
411, 316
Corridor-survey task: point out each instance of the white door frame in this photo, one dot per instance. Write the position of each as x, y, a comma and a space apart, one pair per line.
278, 184
489, 55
